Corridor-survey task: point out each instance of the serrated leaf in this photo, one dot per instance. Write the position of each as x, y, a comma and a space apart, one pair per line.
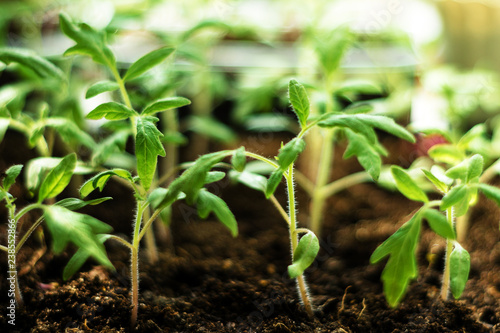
75, 203
79, 258
304, 254
29, 59
66, 226
208, 202
273, 182
434, 180
359, 146
11, 175
147, 62
439, 223
165, 104
100, 180
192, 180
459, 270
58, 178
239, 159
111, 111
491, 192
300, 101
88, 41
101, 87
407, 186
454, 196
289, 153
401, 267
446, 153
148, 147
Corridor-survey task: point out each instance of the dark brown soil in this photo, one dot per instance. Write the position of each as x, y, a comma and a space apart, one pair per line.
209, 282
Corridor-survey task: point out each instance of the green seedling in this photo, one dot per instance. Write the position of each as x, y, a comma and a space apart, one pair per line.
151, 198
64, 224
360, 130
459, 187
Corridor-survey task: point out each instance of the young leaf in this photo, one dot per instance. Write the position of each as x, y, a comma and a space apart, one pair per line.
439, 223
100, 87
79, 258
434, 180
273, 182
350, 121
407, 186
332, 47
402, 264
66, 226
454, 196
147, 148
111, 111
58, 178
29, 59
147, 62
304, 254
111, 144
446, 153
459, 270
467, 170
11, 175
214, 176
207, 202
290, 152
165, 104
239, 160
367, 156
75, 203
100, 180
250, 179
300, 102
69, 131
88, 41
388, 125
157, 195
211, 127
491, 192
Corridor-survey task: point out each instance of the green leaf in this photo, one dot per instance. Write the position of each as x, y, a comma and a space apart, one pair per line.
467, 170
459, 270
434, 180
29, 59
289, 153
367, 156
304, 254
100, 180
66, 226
332, 46
446, 153
475, 133
454, 196
350, 121
402, 264
239, 160
388, 125
192, 180
300, 102
250, 179
111, 111
208, 202
147, 62
69, 131
147, 148
58, 178
273, 182
88, 41
407, 186
214, 176
165, 104
491, 192
157, 195
439, 223
100, 87
113, 143
75, 203
79, 258
211, 127
11, 175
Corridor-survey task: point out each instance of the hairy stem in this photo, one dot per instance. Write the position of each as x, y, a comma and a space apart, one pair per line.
301, 283
151, 249
134, 266
445, 287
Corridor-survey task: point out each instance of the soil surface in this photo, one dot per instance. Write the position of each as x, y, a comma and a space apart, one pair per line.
207, 281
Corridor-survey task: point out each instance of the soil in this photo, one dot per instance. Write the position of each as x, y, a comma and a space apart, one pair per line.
207, 281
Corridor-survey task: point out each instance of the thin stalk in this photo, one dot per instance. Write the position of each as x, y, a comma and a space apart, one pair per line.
134, 267
445, 287
318, 198
301, 283
345, 182
28, 233
151, 248
121, 241
280, 209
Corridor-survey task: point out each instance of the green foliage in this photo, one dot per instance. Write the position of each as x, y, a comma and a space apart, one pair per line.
58, 178
300, 101
148, 147
11, 175
100, 87
207, 202
239, 160
100, 180
439, 223
459, 270
147, 62
111, 111
304, 254
29, 59
407, 186
165, 104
